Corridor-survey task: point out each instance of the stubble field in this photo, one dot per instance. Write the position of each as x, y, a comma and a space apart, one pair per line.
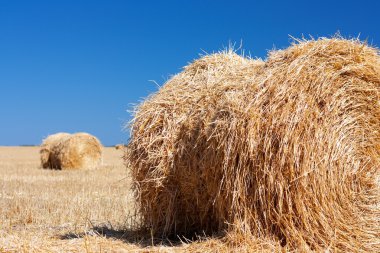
67, 211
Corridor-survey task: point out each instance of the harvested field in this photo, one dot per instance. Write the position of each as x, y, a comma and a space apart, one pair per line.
45, 210
77, 211
60, 211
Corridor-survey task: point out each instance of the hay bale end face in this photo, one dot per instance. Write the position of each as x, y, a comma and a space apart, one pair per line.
287, 148
75, 151
46, 148
169, 140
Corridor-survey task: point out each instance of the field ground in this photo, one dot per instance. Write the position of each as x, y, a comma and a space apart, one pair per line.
68, 211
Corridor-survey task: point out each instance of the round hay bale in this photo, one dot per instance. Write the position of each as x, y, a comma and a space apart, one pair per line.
119, 146
289, 149
76, 151
47, 144
169, 139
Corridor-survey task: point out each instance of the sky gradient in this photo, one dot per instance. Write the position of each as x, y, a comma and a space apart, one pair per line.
70, 66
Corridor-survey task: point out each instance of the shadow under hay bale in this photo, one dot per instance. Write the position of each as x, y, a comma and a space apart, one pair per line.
287, 148
75, 151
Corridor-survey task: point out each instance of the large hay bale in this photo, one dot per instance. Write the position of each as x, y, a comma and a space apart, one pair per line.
46, 146
290, 150
168, 142
76, 151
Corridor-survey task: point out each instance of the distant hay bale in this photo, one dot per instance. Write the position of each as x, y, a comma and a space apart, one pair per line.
287, 149
76, 151
119, 146
46, 147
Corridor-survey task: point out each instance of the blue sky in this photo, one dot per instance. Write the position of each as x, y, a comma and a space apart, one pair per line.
80, 65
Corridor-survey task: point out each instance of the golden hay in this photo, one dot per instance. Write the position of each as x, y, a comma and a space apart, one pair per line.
233, 242
166, 126
287, 149
46, 146
76, 151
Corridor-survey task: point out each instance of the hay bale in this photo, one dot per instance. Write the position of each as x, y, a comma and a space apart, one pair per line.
168, 142
46, 146
119, 146
289, 149
76, 151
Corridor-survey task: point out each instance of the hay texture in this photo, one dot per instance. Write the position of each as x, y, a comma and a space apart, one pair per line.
71, 151
288, 148
168, 143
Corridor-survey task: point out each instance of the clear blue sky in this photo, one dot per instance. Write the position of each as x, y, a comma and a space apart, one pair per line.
80, 65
